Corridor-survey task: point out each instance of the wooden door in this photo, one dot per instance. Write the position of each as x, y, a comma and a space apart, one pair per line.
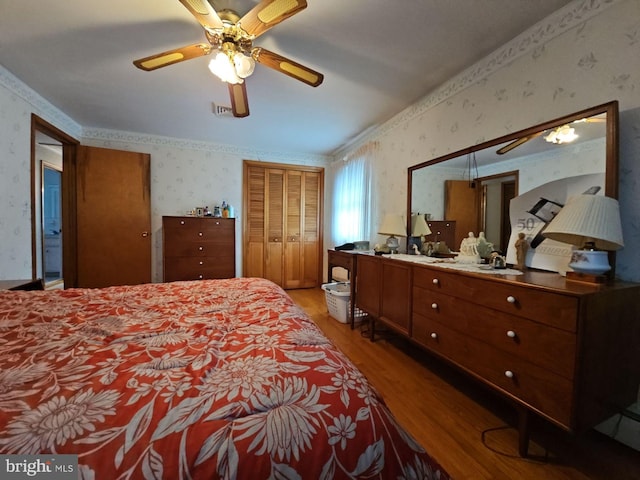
461, 205
283, 223
311, 227
301, 259
293, 261
113, 217
255, 190
369, 284
274, 208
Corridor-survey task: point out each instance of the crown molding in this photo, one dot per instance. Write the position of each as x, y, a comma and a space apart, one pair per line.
563, 20
105, 135
42, 107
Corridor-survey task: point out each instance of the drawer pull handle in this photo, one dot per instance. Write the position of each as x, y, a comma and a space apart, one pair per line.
200, 276
435, 281
511, 334
217, 222
201, 248
201, 263
181, 222
511, 299
434, 306
434, 335
200, 234
509, 374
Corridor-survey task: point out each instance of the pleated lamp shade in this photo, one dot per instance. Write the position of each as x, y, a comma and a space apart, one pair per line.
585, 219
591, 222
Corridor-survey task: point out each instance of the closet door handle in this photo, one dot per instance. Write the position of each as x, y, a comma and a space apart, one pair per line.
145, 234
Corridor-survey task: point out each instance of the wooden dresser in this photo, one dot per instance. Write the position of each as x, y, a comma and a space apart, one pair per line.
197, 248
567, 351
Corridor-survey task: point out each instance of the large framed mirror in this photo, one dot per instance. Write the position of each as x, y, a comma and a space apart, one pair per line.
472, 189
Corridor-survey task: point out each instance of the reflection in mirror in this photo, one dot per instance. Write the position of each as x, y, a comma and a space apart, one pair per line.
51, 191
497, 170
48, 210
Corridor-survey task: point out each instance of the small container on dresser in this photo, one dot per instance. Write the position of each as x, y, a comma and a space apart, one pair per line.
196, 248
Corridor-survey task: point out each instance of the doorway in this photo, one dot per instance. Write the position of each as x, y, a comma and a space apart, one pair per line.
51, 153
51, 222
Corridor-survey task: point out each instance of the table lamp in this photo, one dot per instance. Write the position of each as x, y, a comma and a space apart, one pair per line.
591, 223
393, 225
419, 228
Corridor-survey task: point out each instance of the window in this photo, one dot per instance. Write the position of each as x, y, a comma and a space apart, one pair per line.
352, 200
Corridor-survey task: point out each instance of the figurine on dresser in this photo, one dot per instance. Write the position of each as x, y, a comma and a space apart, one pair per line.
469, 250
521, 246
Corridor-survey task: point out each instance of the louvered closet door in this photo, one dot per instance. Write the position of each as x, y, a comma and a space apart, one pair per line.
293, 252
283, 224
274, 201
311, 247
254, 231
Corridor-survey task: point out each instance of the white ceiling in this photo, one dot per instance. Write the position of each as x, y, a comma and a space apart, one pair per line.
377, 56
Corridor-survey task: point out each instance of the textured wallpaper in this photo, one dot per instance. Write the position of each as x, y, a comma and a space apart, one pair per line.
585, 55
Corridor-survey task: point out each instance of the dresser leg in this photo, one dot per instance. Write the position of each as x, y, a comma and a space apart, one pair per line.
523, 431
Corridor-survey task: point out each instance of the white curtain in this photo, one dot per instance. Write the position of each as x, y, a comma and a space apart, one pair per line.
352, 199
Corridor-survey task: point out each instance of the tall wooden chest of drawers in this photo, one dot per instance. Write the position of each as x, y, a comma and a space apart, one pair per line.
197, 248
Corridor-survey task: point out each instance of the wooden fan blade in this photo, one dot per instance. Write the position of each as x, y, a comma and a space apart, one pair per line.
516, 143
288, 67
172, 56
239, 104
204, 13
269, 13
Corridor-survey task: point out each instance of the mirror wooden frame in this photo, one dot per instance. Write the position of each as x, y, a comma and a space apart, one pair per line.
611, 150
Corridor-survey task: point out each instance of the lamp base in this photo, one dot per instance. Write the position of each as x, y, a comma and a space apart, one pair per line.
587, 278
393, 244
590, 262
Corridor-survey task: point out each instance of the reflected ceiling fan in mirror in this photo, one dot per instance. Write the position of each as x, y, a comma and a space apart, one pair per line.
231, 43
561, 134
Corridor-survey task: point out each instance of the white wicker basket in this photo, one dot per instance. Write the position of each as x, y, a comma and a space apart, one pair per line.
338, 297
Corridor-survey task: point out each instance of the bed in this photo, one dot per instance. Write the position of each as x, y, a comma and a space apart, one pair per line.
207, 379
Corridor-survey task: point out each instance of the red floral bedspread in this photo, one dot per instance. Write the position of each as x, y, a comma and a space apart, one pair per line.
208, 379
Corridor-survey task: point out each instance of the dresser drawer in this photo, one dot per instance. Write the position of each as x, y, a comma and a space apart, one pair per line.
184, 224
190, 268
535, 386
175, 247
192, 228
554, 309
538, 343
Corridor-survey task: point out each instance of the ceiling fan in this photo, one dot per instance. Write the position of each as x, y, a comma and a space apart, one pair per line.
554, 137
231, 39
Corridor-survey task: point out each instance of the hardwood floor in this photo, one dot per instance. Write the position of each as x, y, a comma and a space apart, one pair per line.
465, 427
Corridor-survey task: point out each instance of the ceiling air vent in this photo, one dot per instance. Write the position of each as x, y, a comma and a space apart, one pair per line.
222, 111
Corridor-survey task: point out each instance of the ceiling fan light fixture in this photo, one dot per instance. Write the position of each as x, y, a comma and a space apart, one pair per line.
562, 134
244, 65
222, 67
